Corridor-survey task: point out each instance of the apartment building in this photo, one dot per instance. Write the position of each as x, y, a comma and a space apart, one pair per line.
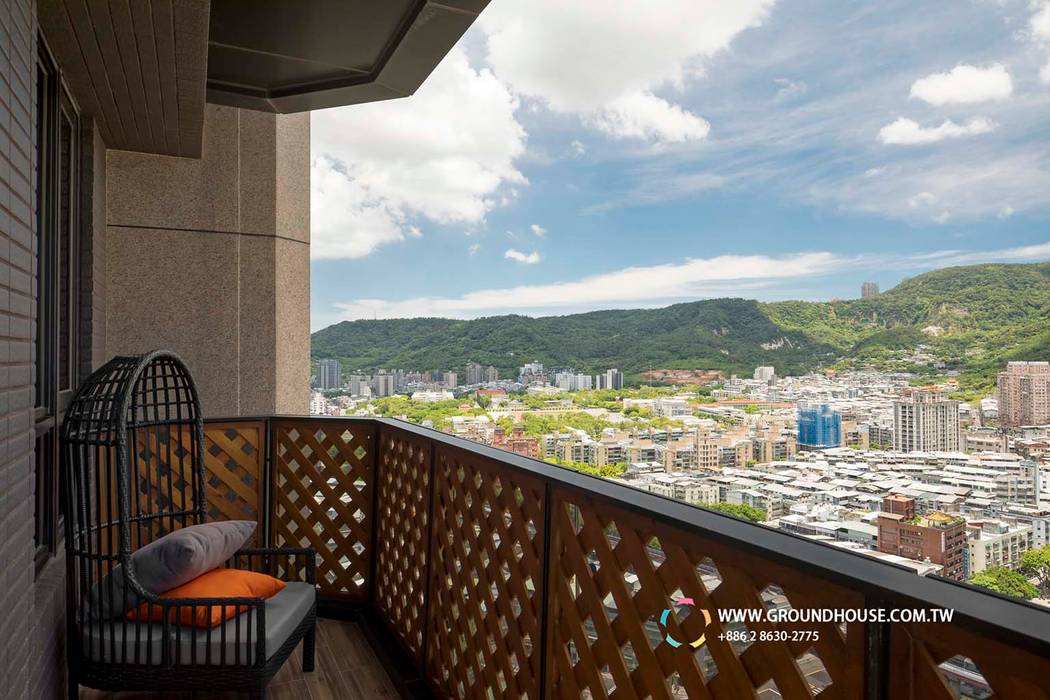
1024, 394
926, 421
329, 374
819, 427
937, 537
995, 543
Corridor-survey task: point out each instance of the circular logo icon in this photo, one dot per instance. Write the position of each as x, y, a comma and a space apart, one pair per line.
666, 614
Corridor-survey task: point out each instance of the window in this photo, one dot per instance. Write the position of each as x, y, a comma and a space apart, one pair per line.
57, 279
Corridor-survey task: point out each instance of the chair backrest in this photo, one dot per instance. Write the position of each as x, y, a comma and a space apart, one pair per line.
132, 464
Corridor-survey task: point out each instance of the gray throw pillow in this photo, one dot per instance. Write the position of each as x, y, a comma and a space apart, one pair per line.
170, 561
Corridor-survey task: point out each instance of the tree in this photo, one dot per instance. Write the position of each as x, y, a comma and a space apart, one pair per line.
1037, 563
1005, 581
741, 511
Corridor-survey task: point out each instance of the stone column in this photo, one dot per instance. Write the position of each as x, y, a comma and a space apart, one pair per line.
210, 258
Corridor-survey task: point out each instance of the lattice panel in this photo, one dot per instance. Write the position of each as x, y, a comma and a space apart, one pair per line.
232, 475
401, 547
613, 574
233, 471
162, 480
322, 496
918, 653
485, 580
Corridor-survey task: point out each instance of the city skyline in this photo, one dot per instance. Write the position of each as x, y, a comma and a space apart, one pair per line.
735, 162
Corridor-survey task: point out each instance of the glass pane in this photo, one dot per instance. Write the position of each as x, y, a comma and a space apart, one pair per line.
66, 167
41, 335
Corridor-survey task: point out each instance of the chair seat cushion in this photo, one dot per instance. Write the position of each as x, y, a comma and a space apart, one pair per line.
142, 644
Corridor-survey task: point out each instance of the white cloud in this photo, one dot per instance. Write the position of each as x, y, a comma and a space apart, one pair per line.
788, 89
538, 230
1006, 212
921, 199
909, 132
948, 258
964, 84
972, 184
645, 116
443, 154
1040, 26
943, 218
473, 248
1040, 21
727, 275
518, 256
345, 221
653, 189
578, 149
617, 55
872, 172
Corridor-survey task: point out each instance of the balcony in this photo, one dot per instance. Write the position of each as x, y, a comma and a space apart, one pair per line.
479, 573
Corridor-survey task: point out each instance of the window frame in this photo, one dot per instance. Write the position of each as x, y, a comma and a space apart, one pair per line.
55, 327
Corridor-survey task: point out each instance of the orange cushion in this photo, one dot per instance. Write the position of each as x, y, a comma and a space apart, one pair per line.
218, 583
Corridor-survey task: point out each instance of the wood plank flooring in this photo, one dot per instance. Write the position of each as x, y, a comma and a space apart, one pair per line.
346, 668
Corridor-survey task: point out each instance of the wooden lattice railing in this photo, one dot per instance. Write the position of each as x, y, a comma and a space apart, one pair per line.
503, 577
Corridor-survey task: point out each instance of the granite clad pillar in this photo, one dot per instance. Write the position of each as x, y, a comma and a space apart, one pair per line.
210, 258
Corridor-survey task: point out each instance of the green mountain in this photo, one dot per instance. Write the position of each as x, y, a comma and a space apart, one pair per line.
969, 319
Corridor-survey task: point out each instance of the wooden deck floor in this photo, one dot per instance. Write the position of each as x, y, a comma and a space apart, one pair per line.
346, 669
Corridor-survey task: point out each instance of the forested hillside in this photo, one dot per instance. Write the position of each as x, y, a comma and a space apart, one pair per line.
969, 319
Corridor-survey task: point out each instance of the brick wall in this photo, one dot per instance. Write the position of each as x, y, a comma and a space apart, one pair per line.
17, 264
32, 637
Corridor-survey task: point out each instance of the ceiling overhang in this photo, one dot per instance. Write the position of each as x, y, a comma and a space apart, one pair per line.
280, 56
144, 69
137, 68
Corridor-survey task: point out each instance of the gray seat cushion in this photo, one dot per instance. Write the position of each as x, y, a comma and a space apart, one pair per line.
284, 612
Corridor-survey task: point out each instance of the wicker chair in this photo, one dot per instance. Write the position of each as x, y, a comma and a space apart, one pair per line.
133, 470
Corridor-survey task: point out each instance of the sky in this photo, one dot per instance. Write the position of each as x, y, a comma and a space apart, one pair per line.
572, 156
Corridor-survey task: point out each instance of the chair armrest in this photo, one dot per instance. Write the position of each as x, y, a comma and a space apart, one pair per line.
266, 560
174, 630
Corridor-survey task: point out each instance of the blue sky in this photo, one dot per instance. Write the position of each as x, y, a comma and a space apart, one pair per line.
566, 157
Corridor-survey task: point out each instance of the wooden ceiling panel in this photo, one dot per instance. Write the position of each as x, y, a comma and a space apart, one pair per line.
137, 66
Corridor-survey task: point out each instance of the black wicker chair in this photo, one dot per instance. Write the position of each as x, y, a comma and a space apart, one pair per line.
133, 470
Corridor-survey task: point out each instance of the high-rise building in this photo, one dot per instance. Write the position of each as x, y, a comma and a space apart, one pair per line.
329, 374
613, 379
383, 384
532, 373
450, 380
926, 421
491, 374
570, 381
359, 385
938, 537
819, 427
869, 289
475, 373
765, 374
1024, 394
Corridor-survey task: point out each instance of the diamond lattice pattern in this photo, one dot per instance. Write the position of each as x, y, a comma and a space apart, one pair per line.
614, 575
486, 581
401, 547
323, 497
